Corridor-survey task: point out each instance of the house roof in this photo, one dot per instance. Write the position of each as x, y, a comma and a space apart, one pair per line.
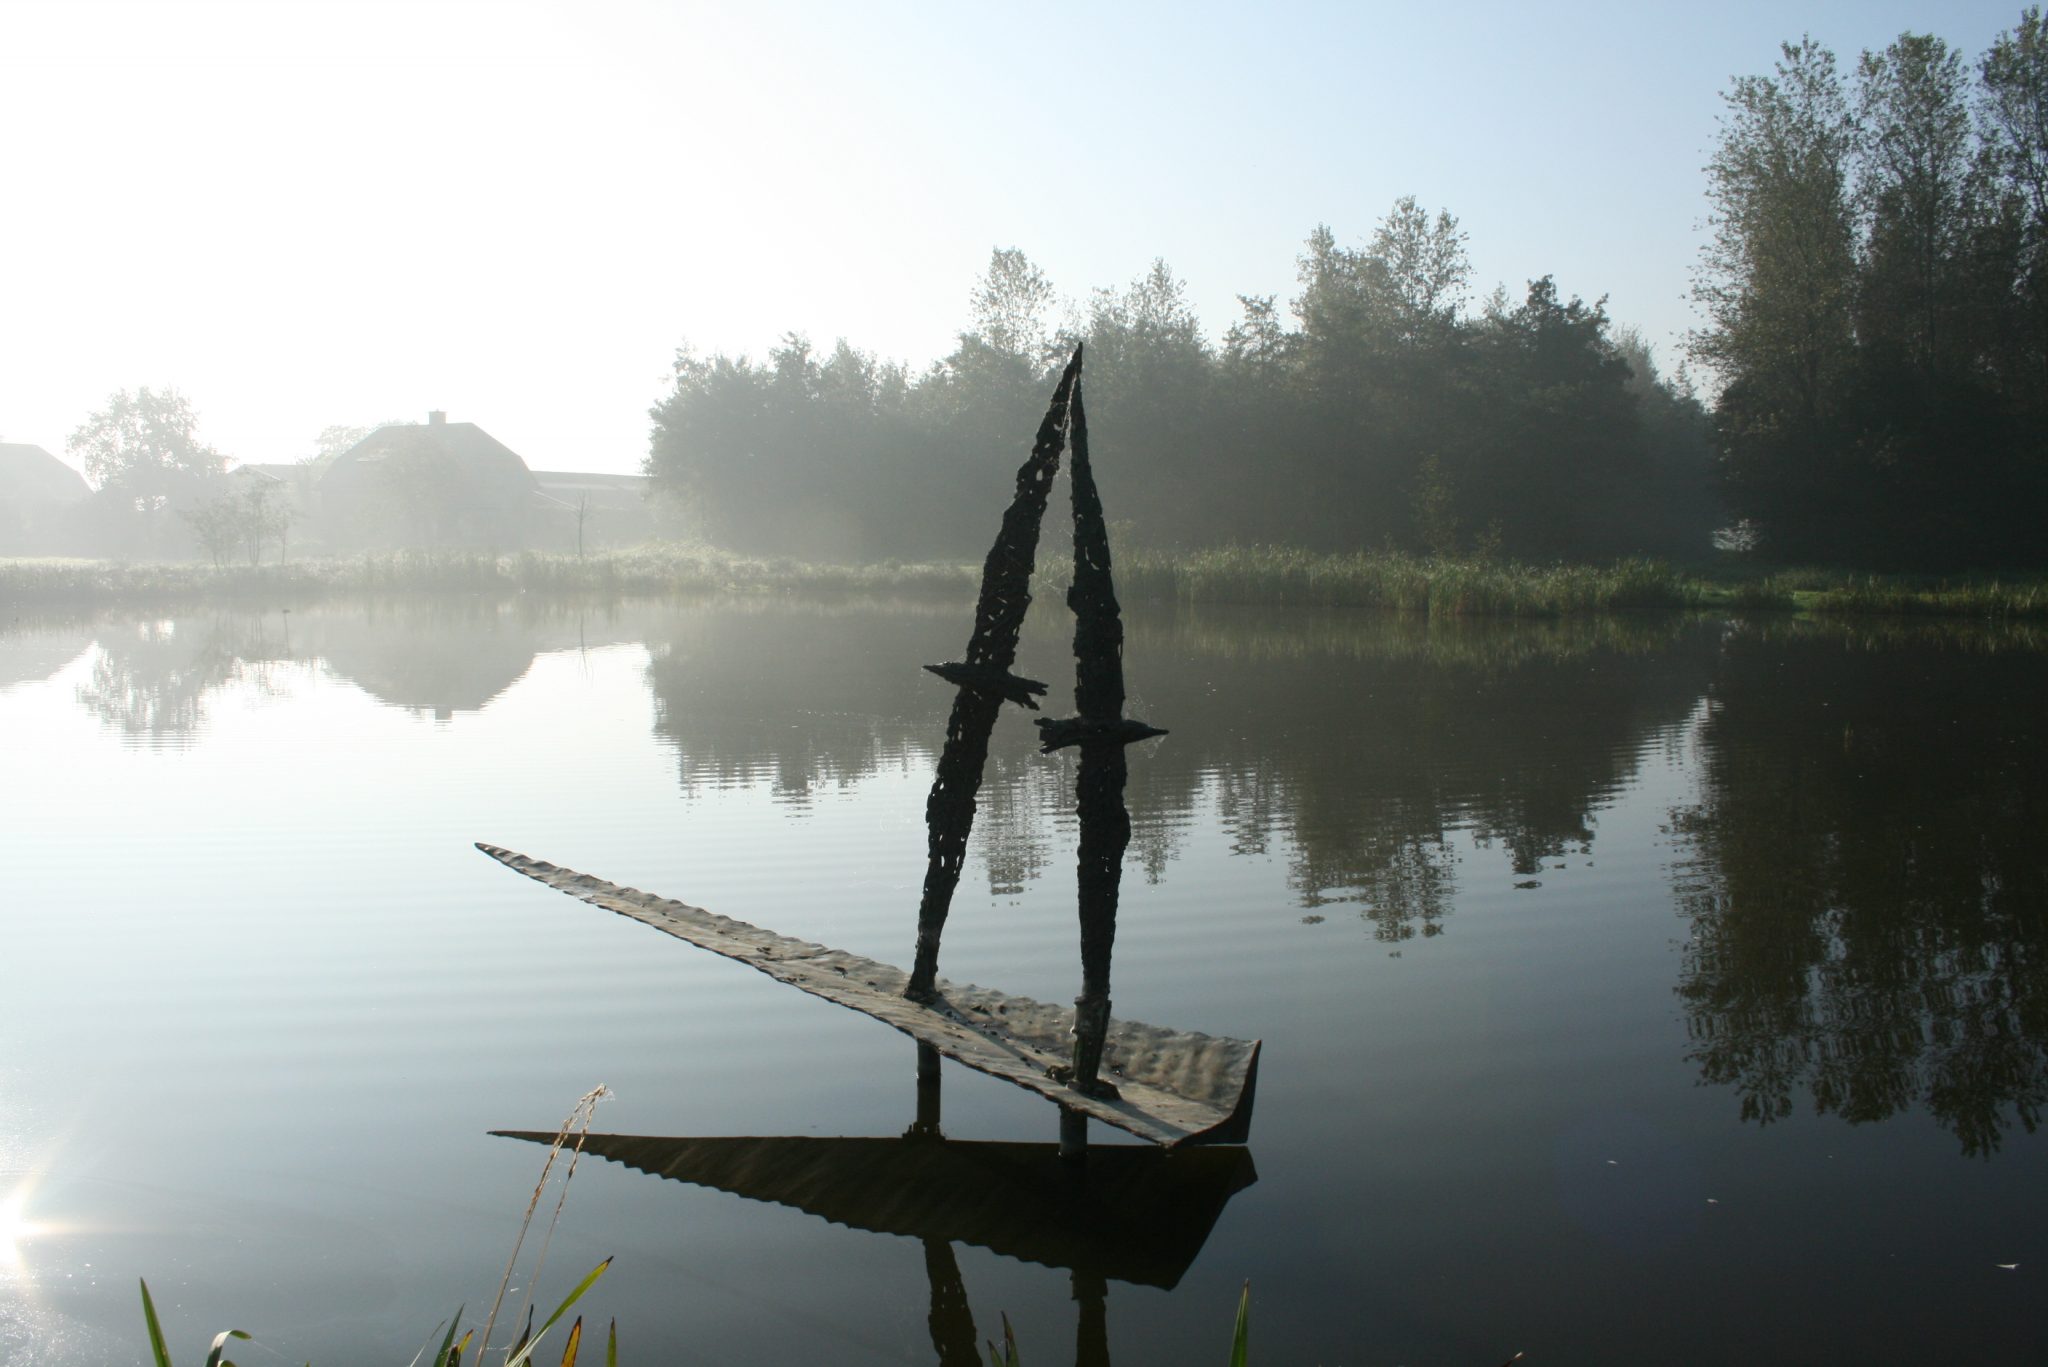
478, 455
32, 475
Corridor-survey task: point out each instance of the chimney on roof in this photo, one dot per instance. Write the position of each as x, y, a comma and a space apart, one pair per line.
437, 417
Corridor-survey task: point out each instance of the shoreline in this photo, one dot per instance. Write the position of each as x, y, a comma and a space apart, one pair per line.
1385, 581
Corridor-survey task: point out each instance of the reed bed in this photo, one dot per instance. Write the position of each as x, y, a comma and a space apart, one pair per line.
454, 1351
1993, 599
647, 571
1391, 581
1377, 581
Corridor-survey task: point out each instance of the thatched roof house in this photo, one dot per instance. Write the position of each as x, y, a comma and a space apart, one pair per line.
38, 495
437, 483
29, 474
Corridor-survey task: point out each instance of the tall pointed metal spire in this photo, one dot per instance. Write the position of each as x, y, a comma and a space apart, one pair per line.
1102, 732
1173, 1087
985, 683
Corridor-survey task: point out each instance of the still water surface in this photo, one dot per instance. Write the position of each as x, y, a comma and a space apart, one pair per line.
1632, 992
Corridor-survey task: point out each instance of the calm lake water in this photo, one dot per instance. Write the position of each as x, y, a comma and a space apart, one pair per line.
1632, 991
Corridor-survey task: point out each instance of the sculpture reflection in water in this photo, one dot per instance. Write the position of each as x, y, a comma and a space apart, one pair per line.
1131, 1214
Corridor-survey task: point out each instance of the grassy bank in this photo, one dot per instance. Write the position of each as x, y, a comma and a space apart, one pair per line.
1380, 581
650, 571
1390, 581
1871, 594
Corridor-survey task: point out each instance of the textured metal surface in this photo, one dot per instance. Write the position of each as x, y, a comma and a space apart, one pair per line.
985, 681
1176, 1087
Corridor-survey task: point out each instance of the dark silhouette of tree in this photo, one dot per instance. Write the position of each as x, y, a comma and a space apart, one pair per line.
1871, 308
1310, 425
1777, 283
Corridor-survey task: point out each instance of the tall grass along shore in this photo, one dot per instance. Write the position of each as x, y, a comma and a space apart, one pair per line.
1382, 581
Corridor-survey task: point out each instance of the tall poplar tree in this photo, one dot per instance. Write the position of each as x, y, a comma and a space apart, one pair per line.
1777, 282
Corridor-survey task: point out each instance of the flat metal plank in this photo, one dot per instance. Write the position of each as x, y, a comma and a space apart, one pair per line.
1177, 1087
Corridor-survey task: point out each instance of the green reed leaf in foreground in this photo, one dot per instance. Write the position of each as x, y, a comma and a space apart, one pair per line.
160, 1355
441, 1354
526, 1354
1240, 1338
1007, 1357
220, 1344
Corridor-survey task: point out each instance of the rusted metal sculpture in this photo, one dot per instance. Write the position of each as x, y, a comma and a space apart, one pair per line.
985, 683
1178, 1087
1102, 732
1172, 1087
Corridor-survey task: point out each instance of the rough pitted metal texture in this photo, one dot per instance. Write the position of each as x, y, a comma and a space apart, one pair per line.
1177, 1087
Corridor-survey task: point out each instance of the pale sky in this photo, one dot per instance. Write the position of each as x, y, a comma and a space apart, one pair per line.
301, 214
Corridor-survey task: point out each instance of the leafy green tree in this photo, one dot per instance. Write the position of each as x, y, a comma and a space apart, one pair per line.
1312, 429
217, 526
266, 516
1011, 310
1432, 505
1679, 505
1425, 263
1560, 457
1777, 282
145, 445
1778, 276
2012, 111
143, 455
1917, 193
820, 459
1928, 454
1150, 374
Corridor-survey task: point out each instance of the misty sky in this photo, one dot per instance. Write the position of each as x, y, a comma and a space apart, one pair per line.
307, 213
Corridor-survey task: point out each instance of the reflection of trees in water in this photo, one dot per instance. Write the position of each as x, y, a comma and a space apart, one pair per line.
1016, 790
150, 680
1869, 881
1361, 740
803, 698
1369, 739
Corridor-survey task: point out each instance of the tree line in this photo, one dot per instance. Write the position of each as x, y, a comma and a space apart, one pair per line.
1874, 297
1376, 408
1875, 294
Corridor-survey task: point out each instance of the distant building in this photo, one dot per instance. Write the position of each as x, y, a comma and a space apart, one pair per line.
40, 497
435, 484
614, 510
431, 485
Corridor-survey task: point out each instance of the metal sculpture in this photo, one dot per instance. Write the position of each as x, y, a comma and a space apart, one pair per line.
1172, 1087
